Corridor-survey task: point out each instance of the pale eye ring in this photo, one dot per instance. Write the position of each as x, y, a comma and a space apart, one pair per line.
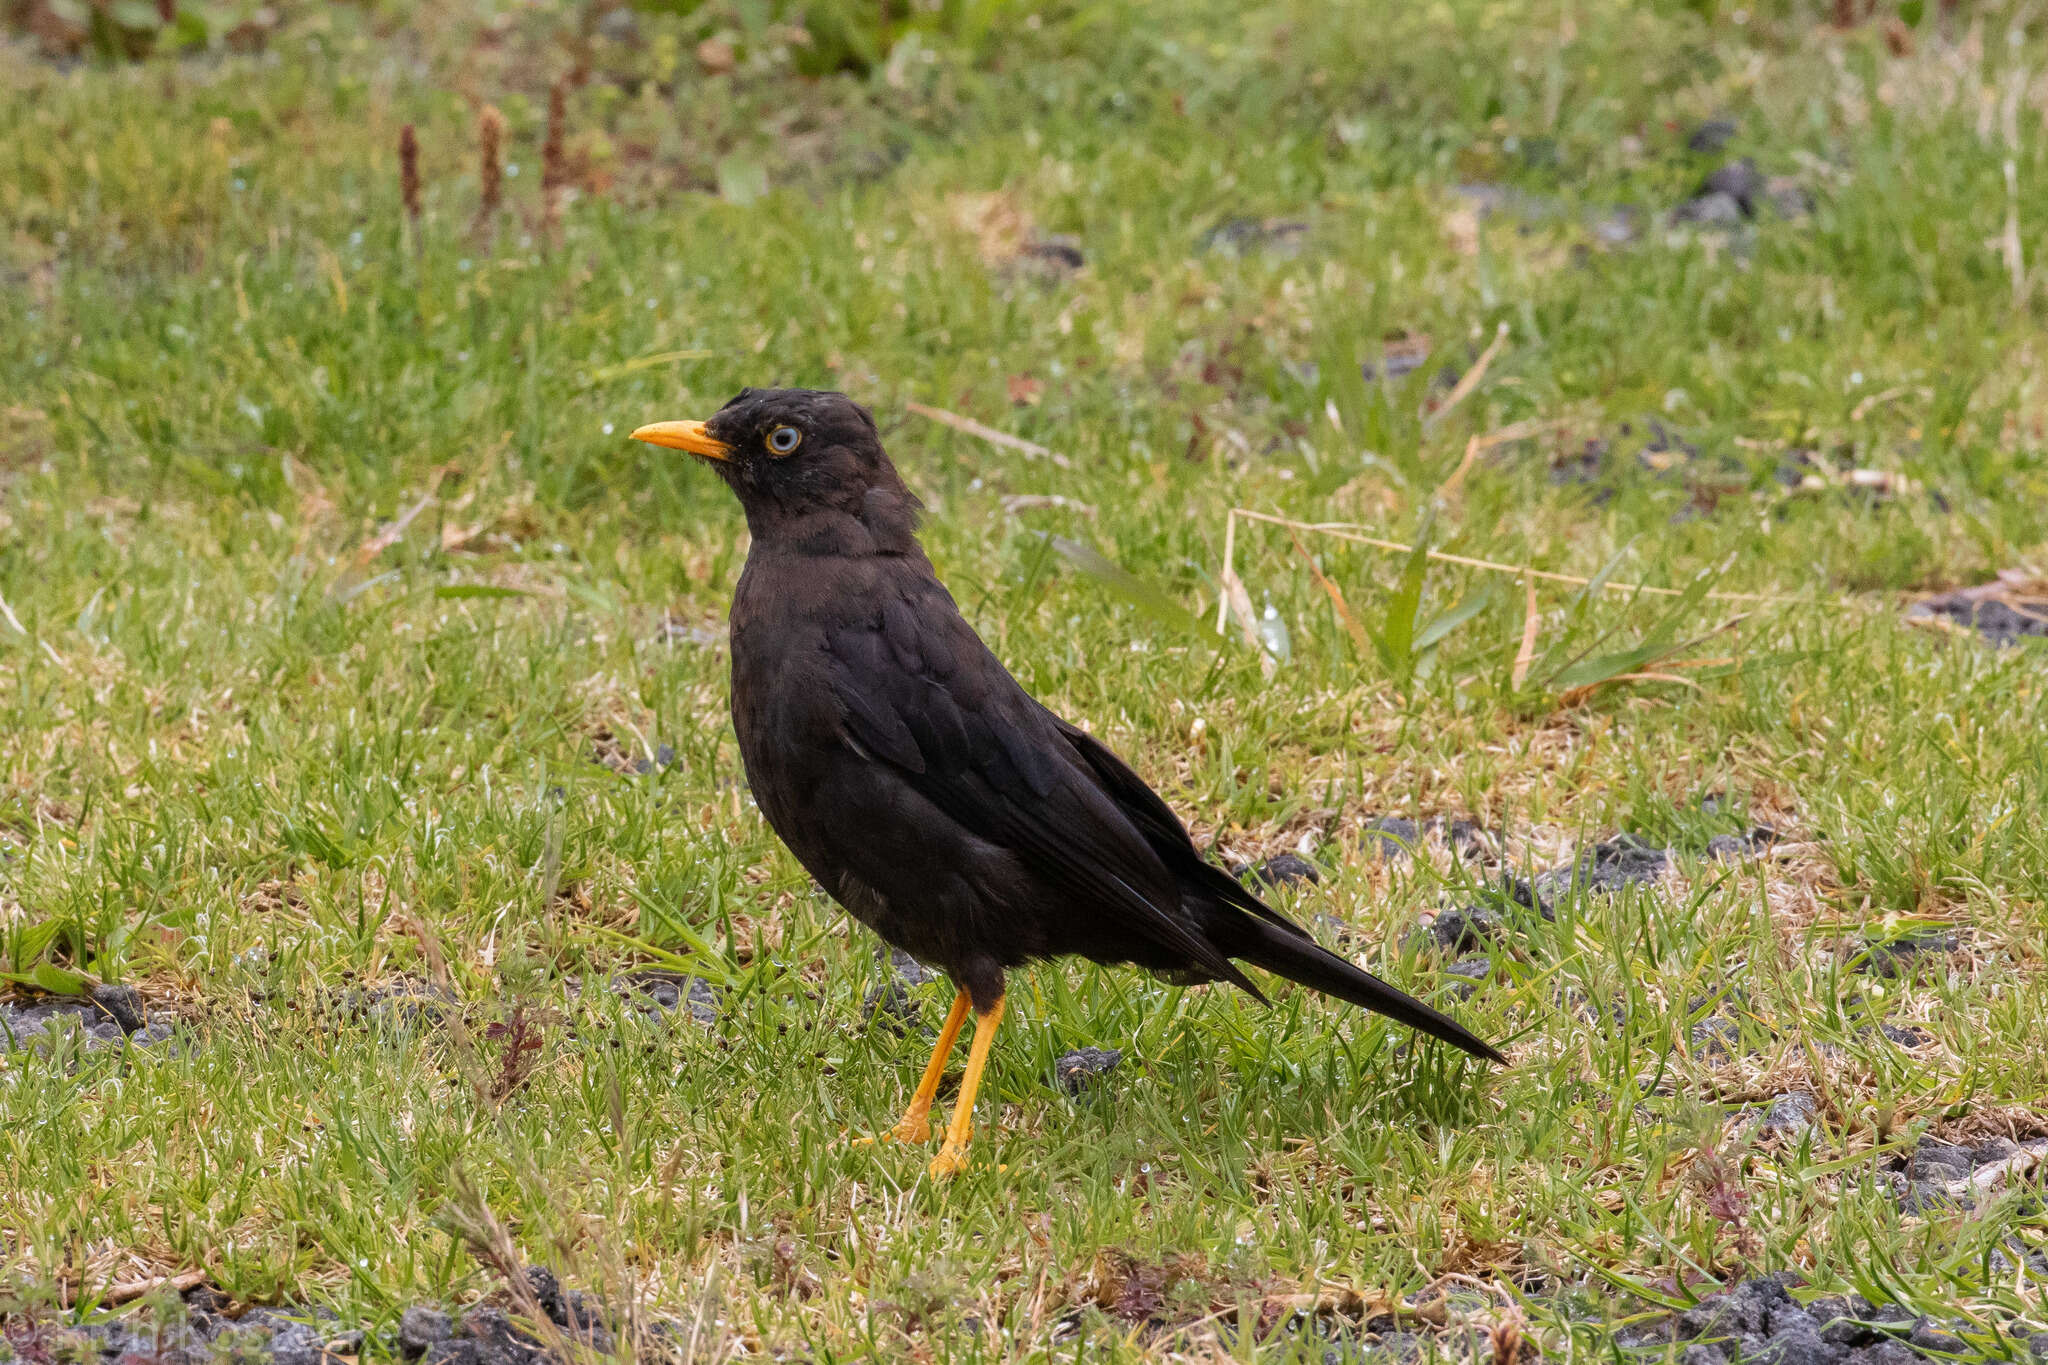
784, 440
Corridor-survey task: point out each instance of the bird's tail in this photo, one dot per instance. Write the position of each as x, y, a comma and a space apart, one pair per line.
1301, 959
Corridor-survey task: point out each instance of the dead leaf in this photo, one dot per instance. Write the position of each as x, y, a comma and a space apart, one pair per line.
715, 57
1024, 390
1461, 230
1532, 623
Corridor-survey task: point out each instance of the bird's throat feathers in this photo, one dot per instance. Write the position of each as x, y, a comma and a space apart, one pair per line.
876, 516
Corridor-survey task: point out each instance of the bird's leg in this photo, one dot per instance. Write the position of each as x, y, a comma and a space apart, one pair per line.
952, 1157
915, 1125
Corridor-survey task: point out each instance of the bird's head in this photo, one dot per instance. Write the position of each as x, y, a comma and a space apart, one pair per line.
808, 467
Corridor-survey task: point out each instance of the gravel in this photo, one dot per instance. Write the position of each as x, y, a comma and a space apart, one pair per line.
1904, 956
1607, 867
1284, 870
1790, 1116
1711, 136
1282, 237
194, 1332
893, 1003
1759, 1321
660, 995
1080, 1070
112, 1016
1391, 836
1999, 612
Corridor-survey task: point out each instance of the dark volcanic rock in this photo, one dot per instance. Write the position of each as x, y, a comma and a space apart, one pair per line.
1241, 236
1606, 867
669, 992
1789, 1116
1471, 970
110, 1017
893, 1004
122, 1005
2000, 612
1711, 136
1471, 927
1284, 870
421, 1328
1078, 1071
1902, 956
1943, 1161
1716, 1038
1709, 210
1391, 836
1740, 180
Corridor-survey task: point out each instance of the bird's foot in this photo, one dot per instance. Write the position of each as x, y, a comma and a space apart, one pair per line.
951, 1160
910, 1128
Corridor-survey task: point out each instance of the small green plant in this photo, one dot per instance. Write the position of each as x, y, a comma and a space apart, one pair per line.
1406, 639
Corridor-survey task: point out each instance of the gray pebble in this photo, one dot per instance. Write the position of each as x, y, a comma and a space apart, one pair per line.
1390, 836
1789, 1116
1285, 870
1709, 210
419, 1328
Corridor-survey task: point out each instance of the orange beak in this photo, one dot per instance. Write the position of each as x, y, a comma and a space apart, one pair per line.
690, 436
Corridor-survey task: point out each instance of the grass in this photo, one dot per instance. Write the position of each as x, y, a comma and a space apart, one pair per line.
335, 578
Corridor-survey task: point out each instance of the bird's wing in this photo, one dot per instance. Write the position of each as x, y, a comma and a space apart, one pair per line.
921, 693
1164, 831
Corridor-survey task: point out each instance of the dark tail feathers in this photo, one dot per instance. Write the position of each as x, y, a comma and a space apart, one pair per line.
1300, 959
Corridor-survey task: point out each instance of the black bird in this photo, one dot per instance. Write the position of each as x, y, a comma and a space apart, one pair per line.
927, 792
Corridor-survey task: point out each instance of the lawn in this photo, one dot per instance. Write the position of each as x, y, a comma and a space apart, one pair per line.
363, 740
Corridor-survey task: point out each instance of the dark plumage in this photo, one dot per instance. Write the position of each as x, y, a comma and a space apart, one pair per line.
921, 785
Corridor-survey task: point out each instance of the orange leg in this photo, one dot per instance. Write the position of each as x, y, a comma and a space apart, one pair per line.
952, 1157
915, 1125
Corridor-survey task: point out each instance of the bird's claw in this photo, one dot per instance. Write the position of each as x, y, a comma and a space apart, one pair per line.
951, 1160
907, 1129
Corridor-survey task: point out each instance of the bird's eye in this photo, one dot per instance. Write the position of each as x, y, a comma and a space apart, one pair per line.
784, 440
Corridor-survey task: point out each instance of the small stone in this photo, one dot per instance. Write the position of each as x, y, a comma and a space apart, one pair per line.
1390, 836
1933, 1160
909, 968
419, 1328
1728, 848
1285, 870
1616, 227
2038, 1345
664, 758
1906, 1036
1054, 255
122, 1004
1993, 1149
1709, 210
1458, 930
1717, 1038
1789, 1116
1932, 1197
1928, 1337
1077, 1071
1739, 180
1900, 956
1465, 837
669, 992
1606, 867
1282, 237
1471, 968
1787, 197
1711, 136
